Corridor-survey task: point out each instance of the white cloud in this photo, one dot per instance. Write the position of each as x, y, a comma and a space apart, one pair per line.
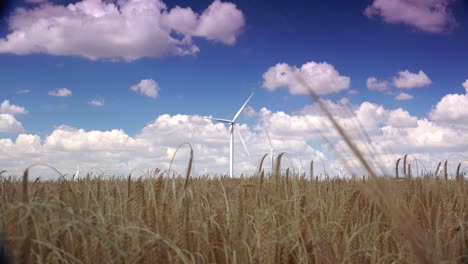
400, 118
322, 77
403, 97
220, 22
182, 20
465, 85
433, 16
152, 147
147, 87
312, 124
409, 80
9, 124
452, 110
393, 133
128, 30
66, 138
60, 92
376, 85
28, 143
7, 108
96, 102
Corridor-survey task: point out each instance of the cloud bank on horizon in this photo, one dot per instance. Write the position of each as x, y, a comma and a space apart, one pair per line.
393, 133
128, 30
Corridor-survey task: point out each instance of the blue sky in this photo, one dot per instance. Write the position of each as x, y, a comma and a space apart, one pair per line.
399, 66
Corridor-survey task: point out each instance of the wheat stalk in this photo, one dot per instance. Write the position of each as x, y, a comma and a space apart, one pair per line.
419, 244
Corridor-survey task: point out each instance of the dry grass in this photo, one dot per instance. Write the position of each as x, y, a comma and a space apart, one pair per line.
274, 219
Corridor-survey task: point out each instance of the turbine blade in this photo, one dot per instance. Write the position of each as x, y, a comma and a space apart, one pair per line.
219, 119
242, 108
243, 143
271, 145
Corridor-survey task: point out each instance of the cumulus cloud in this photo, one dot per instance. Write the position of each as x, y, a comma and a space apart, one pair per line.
220, 22
9, 124
65, 138
393, 132
433, 16
147, 87
153, 147
113, 150
60, 92
390, 133
117, 30
376, 85
405, 79
409, 80
400, 118
465, 85
322, 77
403, 97
7, 108
96, 102
452, 110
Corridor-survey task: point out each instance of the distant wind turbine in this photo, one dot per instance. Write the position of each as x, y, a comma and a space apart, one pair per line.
231, 142
272, 151
77, 172
301, 168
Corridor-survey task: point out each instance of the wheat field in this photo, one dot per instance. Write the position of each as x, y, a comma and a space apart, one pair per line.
258, 219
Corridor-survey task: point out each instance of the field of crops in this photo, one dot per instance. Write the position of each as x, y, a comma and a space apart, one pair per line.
259, 219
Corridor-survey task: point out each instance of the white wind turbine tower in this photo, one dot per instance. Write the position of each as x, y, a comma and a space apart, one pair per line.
231, 142
272, 151
301, 168
77, 172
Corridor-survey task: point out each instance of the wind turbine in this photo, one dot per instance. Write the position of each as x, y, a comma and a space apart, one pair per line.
77, 172
340, 172
231, 142
272, 151
301, 168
